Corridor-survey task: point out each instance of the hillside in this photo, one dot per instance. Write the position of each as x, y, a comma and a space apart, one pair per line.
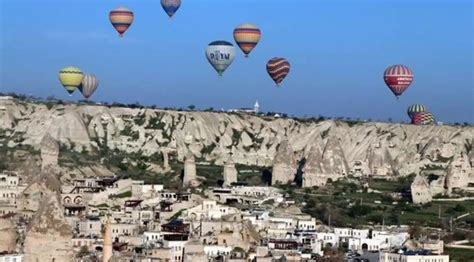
153, 137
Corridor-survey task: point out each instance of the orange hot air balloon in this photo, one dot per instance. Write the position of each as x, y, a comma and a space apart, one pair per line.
247, 36
121, 18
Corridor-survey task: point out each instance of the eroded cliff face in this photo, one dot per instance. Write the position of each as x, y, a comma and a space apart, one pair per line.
48, 235
375, 148
8, 235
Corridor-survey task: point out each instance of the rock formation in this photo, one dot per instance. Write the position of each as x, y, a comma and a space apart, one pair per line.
190, 174
284, 164
8, 235
420, 190
166, 165
312, 169
49, 236
459, 173
332, 165
405, 149
230, 172
49, 152
379, 160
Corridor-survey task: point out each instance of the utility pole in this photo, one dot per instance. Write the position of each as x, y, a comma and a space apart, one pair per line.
329, 219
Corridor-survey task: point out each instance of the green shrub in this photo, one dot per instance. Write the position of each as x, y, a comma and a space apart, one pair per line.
121, 195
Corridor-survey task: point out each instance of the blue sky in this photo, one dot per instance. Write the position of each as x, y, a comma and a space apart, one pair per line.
338, 50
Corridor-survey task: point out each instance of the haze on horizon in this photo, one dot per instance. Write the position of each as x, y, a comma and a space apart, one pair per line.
338, 50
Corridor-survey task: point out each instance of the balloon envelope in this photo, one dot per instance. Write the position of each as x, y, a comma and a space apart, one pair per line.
220, 55
121, 18
89, 85
278, 68
247, 36
423, 118
415, 108
70, 77
398, 78
170, 6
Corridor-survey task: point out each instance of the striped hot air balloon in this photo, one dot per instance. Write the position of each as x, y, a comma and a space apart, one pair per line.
278, 68
89, 85
247, 36
70, 77
220, 55
415, 108
398, 78
423, 118
170, 6
121, 18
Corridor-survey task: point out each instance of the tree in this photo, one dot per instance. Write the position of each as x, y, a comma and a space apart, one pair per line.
191, 107
415, 231
459, 208
84, 251
359, 210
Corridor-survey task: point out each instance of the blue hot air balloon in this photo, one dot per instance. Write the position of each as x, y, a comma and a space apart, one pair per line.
170, 6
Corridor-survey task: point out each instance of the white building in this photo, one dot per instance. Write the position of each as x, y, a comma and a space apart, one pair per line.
10, 190
209, 209
367, 244
11, 258
177, 248
90, 227
122, 229
213, 251
288, 223
309, 224
328, 238
349, 232
146, 190
411, 257
150, 237
380, 240
360, 233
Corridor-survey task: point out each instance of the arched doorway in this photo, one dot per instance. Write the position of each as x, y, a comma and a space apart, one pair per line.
365, 247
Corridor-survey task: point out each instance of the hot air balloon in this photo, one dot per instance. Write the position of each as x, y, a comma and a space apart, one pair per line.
170, 6
220, 55
415, 108
278, 68
247, 36
398, 78
89, 85
121, 18
70, 77
423, 118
